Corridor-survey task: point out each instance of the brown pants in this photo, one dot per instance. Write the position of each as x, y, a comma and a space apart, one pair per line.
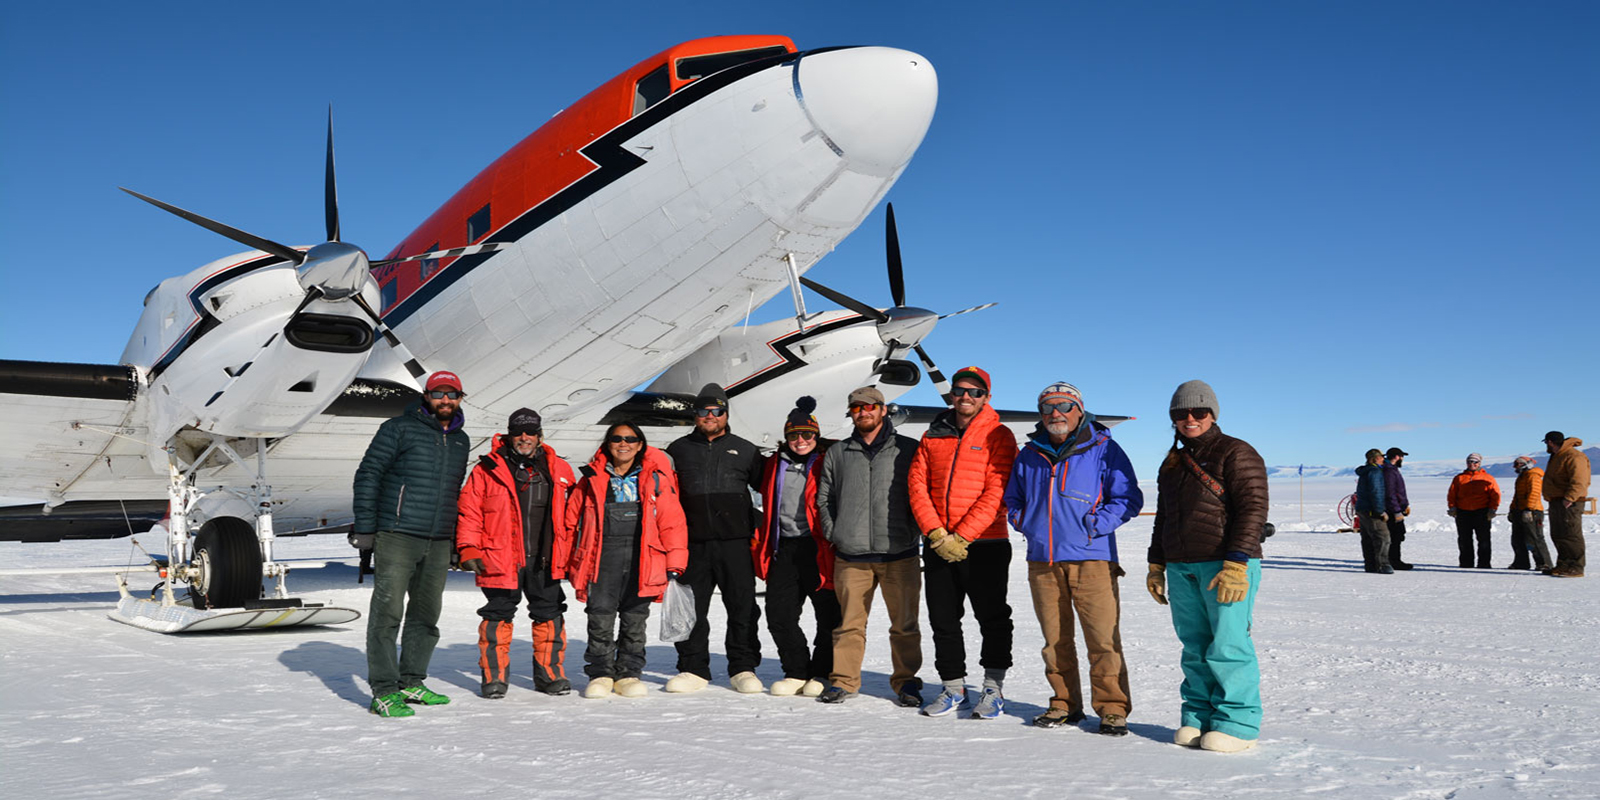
854, 582
1090, 587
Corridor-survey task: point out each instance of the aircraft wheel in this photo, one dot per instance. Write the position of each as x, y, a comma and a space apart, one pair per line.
228, 559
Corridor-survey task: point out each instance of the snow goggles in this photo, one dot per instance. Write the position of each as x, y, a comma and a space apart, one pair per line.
1063, 408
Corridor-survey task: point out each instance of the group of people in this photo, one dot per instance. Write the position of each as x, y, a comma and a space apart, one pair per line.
1474, 502
839, 522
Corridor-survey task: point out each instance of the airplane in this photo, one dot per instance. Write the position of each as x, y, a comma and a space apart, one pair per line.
631, 231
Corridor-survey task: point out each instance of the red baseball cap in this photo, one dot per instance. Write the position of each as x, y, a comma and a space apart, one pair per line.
974, 373
443, 380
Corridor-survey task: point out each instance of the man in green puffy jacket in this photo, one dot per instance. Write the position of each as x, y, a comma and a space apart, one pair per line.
405, 511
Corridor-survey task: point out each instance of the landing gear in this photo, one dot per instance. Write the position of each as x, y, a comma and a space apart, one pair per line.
226, 570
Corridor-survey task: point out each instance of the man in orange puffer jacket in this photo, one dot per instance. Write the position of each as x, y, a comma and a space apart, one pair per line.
1474, 497
958, 483
512, 510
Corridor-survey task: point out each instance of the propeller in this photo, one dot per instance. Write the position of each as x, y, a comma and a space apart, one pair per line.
334, 270
900, 327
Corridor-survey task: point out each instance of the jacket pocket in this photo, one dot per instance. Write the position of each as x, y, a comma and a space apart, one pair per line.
399, 503
653, 572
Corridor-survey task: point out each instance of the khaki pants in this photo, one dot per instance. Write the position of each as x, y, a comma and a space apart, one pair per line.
854, 582
1090, 587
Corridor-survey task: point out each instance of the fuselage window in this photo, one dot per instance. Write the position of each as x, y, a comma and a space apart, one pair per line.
651, 89
693, 69
390, 293
478, 224
431, 265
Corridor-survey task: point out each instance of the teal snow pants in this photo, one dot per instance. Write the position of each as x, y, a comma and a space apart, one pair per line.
1221, 679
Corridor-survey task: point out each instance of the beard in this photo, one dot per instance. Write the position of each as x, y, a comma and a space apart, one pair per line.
1058, 428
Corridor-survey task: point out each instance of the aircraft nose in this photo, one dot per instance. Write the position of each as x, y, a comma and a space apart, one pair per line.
873, 104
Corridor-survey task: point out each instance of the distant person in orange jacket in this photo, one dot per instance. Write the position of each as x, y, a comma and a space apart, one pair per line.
958, 484
1474, 499
1527, 518
1566, 485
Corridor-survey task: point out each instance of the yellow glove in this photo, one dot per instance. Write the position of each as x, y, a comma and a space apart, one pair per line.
1156, 582
1232, 583
950, 547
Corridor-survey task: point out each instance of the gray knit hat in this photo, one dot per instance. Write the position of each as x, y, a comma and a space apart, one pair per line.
1196, 394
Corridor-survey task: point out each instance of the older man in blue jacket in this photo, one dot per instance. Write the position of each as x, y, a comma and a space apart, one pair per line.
1071, 487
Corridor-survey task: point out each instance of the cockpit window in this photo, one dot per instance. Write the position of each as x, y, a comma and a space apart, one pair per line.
651, 89
697, 67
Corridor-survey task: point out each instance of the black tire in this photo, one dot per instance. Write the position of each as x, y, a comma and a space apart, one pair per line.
228, 559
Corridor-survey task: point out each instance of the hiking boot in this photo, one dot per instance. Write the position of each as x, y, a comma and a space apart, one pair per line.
1056, 717
1385, 570
1515, 565
834, 694
423, 696
494, 691
1113, 725
947, 701
746, 683
630, 687
685, 682
392, 704
1566, 572
1219, 742
991, 705
813, 688
788, 687
557, 687
909, 695
1187, 736
597, 688
1401, 565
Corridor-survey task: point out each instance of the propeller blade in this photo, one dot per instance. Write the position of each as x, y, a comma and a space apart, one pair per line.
967, 310
847, 301
246, 239
412, 366
486, 247
330, 190
897, 278
935, 375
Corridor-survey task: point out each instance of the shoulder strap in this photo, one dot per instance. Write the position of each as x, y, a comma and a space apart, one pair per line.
1211, 484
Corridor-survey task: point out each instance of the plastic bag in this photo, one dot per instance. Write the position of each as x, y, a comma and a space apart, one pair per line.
677, 612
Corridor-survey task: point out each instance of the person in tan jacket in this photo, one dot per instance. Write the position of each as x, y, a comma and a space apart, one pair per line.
1527, 518
1566, 486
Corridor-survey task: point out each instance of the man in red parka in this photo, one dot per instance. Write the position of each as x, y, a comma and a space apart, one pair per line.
958, 483
511, 511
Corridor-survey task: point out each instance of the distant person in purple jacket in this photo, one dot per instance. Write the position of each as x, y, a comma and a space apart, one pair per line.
1396, 503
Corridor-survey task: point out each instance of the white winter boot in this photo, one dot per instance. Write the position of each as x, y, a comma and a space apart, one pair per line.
813, 688
685, 682
599, 687
746, 683
1220, 742
1187, 736
631, 687
788, 687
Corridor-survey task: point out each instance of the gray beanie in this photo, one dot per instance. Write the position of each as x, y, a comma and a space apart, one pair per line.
1196, 394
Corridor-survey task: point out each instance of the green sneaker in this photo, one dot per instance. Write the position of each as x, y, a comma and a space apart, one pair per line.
391, 705
422, 695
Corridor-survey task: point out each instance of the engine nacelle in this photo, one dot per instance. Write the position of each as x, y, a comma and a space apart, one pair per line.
238, 348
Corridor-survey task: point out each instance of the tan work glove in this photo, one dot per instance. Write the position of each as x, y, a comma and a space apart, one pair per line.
1232, 583
949, 546
1156, 582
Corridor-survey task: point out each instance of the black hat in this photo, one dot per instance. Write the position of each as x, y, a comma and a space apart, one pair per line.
711, 395
525, 421
1555, 436
1395, 451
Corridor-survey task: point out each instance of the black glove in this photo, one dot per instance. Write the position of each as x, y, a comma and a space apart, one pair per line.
362, 541
674, 575
474, 566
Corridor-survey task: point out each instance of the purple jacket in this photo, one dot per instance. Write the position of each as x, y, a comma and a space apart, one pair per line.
1394, 490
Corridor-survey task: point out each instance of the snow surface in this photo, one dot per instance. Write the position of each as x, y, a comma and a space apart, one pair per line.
1437, 683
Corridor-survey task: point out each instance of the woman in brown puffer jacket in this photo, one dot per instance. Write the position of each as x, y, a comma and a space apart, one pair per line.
1210, 509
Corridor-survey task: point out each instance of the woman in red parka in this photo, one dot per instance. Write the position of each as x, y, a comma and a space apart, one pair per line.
625, 538
793, 558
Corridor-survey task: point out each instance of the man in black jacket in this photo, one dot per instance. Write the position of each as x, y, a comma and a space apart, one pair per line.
404, 502
716, 471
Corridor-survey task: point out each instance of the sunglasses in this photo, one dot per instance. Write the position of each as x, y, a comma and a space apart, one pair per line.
526, 432
806, 435
710, 412
617, 438
442, 395
1179, 414
969, 391
1063, 408
857, 408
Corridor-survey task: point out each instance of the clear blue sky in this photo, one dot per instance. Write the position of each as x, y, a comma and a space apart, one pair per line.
1365, 223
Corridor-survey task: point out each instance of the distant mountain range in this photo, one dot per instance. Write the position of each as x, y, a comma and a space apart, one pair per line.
1430, 469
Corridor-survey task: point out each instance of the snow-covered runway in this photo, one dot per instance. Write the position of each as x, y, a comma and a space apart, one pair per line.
1439, 682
